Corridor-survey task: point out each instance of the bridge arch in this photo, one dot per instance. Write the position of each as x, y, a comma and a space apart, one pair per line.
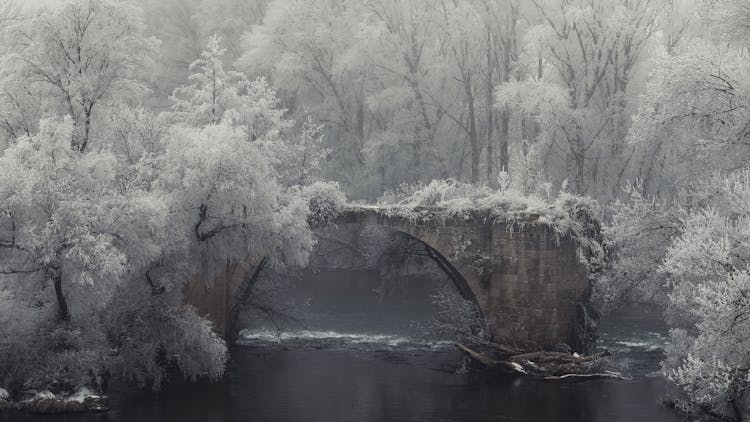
437, 254
528, 283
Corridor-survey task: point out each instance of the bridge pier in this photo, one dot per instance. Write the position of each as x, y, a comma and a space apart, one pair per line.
219, 299
528, 283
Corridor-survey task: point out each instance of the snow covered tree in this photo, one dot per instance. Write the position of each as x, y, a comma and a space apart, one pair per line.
71, 236
85, 51
694, 118
185, 26
21, 105
302, 154
708, 265
690, 134
224, 193
407, 122
228, 97
527, 171
637, 238
65, 220
384, 84
589, 50
305, 48
107, 237
462, 30
212, 91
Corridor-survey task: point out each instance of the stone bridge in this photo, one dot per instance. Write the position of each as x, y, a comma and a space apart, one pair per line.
528, 284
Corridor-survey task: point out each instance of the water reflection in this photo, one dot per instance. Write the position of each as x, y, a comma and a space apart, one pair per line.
344, 386
338, 372
340, 386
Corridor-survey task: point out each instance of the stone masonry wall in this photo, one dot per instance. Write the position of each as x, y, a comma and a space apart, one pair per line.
526, 282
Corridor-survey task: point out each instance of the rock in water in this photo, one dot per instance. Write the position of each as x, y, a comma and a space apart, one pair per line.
82, 401
96, 403
44, 402
5, 400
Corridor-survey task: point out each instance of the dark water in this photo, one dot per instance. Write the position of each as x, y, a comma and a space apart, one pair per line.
362, 302
334, 371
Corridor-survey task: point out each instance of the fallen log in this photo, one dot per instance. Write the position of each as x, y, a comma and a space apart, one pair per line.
544, 364
501, 348
489, 362
597, 375
549, 357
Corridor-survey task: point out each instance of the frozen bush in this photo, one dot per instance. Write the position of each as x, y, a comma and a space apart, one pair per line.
325, 200
38, 353
152, 334
567, 214
18, 324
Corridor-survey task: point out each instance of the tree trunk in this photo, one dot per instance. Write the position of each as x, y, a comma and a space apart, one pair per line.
242, 296
490, 150
580, 182
74, 145
648, 178
475, 152
473, 137
214, 96
360, 131
504, 135
416, 158
490, 112
86, 129
62, 304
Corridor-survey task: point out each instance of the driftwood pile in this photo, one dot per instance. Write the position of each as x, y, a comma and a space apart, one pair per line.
540, 364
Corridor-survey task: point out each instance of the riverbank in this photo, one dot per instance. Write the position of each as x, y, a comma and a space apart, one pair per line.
46, 402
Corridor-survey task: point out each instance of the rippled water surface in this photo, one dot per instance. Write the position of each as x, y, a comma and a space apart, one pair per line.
336, 371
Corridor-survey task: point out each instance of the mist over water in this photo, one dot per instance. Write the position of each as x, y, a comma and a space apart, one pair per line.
364, 358
361, 357
347, 310
360, 302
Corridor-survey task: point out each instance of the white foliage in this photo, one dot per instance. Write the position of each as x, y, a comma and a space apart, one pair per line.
325, 201
84, 52
68, 213
503, 180
106, 236
637, 238
567, 215
707, 267
224, 193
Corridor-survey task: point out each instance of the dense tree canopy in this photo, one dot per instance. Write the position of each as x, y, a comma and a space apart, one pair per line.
143, 142
109, 208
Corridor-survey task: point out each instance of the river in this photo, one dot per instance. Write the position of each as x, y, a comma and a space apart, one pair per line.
341, 369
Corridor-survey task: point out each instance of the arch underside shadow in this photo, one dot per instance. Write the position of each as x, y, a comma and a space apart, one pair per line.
445, 265
442, 242
235, 286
